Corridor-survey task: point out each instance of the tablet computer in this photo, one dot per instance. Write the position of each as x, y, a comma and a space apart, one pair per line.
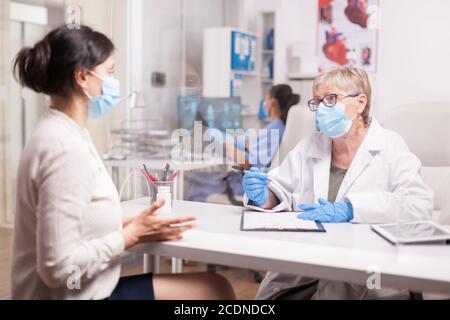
413, 232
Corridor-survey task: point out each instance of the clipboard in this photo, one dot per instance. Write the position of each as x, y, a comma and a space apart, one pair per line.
318, 226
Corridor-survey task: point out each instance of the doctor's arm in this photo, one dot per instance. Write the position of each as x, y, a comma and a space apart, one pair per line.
276, 191
408, 197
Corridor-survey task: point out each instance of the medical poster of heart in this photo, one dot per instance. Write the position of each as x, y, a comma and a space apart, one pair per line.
348, 34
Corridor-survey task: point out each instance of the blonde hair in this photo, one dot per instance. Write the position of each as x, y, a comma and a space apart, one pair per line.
349, 79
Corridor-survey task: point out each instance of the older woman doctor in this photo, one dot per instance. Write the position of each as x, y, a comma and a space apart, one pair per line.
352, 171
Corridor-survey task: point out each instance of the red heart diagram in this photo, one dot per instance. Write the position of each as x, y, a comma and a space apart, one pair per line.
356, 12
335, 48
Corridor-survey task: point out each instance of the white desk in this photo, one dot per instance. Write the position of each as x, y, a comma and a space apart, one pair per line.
345, 253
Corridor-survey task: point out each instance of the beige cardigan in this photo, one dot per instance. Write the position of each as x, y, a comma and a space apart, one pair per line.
67, 241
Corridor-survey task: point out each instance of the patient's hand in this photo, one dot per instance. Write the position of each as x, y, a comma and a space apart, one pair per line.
147, 227
127, 221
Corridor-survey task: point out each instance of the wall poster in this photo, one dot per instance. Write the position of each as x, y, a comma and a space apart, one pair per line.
348, 34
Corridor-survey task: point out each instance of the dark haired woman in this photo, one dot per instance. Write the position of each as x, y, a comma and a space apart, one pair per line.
69, 233
256, 151
279, 102
260, 149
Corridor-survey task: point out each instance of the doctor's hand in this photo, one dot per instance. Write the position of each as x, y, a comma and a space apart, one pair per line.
256, 186
327, 212
148, 227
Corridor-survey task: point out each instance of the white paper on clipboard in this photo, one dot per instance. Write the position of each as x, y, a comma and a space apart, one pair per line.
256, 220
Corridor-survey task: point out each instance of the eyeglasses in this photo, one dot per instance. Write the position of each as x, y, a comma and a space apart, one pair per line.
329, 100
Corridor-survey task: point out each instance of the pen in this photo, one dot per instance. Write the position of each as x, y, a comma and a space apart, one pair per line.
146, 176
174, 176
166, 171
151, 177
240, 169
146, 171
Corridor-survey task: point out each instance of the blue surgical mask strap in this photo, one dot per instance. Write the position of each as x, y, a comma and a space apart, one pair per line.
96, 75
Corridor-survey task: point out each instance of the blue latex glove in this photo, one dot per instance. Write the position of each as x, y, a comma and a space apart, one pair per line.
327, 212
256, 186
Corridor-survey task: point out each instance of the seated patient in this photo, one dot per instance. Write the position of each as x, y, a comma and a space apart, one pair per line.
255, 151
354, 170
69, 233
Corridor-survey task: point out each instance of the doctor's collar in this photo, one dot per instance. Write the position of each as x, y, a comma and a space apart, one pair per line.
372, 142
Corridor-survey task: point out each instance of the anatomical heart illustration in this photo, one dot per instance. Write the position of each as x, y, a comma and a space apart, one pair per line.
348, 33
335, 48
356, 12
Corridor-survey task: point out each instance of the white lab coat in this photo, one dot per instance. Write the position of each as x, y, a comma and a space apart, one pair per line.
382, 182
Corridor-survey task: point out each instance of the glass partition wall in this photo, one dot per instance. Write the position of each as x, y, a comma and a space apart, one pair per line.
161, 53
166, 63
167, 49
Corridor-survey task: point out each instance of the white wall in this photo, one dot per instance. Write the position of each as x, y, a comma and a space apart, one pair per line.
414, 59
296, 21
414, 48
196, 21
120, 32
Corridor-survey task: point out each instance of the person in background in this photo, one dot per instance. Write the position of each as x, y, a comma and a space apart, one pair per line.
352, 171
257, 151
279, 102
69, 233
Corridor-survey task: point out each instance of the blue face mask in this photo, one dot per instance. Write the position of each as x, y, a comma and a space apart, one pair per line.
333, 121
101, 105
